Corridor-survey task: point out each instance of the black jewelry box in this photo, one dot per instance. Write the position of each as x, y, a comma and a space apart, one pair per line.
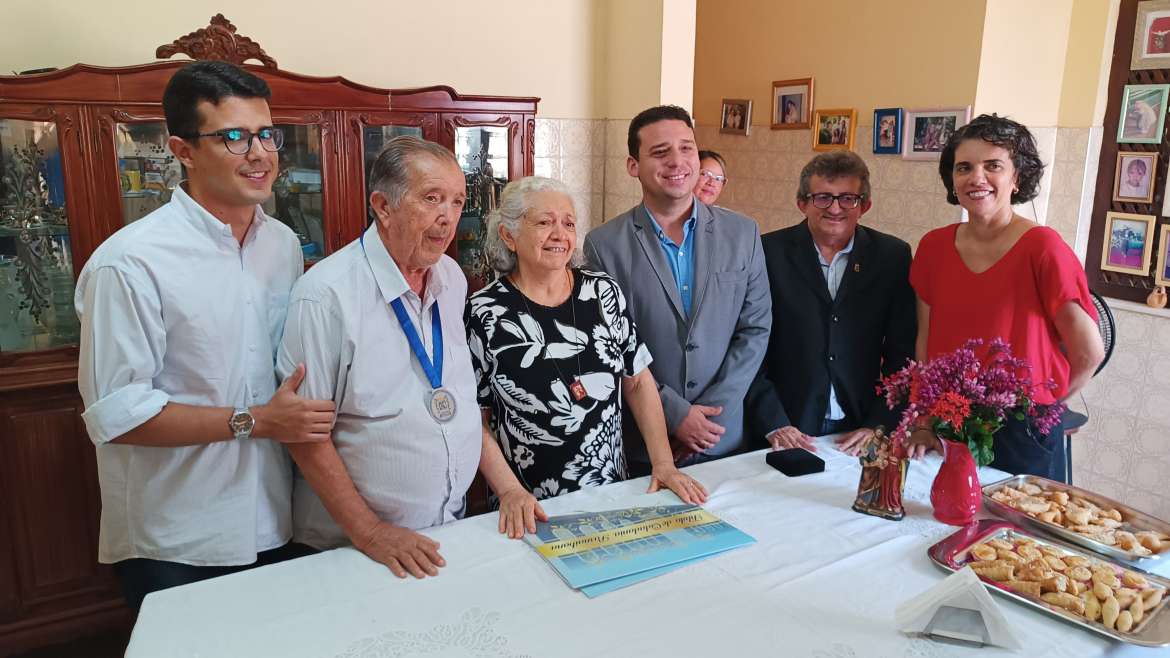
795, 461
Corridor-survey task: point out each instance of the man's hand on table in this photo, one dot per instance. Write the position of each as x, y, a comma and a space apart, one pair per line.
403, 551
696, 433
790, 437
683, 485
850, 442
519, 511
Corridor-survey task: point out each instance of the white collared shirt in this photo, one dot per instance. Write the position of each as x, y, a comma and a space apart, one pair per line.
173, 308
410, 469
834, 272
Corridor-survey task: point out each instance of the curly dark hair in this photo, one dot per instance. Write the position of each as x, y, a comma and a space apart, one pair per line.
1006, 134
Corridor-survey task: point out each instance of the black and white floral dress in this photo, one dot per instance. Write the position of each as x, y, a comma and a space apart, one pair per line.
526, 357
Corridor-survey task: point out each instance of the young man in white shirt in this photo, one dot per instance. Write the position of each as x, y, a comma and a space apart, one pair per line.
180, 315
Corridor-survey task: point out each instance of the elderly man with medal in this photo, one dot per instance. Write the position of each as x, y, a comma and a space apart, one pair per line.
379, 327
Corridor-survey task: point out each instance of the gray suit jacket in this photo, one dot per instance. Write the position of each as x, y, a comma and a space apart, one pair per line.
711, 357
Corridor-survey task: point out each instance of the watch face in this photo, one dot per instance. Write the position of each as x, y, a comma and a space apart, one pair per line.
242, 422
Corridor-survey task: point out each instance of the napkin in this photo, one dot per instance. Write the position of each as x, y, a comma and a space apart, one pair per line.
962, 589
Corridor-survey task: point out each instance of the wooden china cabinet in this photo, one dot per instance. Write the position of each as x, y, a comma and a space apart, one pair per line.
83, 153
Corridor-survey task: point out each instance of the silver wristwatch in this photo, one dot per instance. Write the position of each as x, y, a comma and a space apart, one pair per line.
241, 424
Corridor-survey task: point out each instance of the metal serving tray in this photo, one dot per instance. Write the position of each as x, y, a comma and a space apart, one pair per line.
952, 554
1132, 519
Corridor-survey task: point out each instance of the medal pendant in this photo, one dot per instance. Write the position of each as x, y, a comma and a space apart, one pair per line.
442, 405
577, 389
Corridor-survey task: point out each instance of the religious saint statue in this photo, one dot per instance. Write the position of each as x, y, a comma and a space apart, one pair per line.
883, 475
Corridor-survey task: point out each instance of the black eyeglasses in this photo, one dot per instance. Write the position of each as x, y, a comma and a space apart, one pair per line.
238, 141
847, 201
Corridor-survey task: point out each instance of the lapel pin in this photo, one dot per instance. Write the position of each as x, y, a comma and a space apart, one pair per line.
857, 267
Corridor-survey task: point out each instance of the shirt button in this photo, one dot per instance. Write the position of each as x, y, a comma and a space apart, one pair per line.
691, 384
248, 300
252, 348
691, 347
832, 357
836, 319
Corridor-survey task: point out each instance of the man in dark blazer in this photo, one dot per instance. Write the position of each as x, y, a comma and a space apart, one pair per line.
694, 280
842, 314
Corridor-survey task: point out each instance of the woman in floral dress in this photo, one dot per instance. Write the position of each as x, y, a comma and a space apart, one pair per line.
555, 352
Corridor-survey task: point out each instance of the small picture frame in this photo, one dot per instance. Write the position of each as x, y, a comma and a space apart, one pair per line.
887, 131
927, 131
833, 130
1151, 36
1133, 180
736, 117
792, 104
1162, 274
1127, 244
1143, 114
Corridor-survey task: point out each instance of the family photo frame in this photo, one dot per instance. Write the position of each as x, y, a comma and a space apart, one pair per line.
1127, 245
1143, 114
1133, 180
927, 130
792, 104
833, 130
887, 131
1151, 36
1162, 274
736, 116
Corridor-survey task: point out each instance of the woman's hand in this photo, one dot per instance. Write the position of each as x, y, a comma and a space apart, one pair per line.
519, 511
920, 442
684, 486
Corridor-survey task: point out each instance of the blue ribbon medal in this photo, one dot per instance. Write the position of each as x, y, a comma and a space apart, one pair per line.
441, 402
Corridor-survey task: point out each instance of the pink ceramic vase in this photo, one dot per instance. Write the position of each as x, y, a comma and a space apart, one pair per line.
955, 492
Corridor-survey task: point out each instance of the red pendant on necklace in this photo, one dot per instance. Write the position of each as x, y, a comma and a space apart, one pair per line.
577, 389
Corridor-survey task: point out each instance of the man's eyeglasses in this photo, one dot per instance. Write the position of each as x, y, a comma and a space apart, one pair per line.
238, 141
847, 201
713, 176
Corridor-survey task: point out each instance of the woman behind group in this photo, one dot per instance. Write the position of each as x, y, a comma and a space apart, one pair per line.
712, 177
554, 352
1001, 275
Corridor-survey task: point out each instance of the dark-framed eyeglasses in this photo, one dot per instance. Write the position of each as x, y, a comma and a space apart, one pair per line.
238, 141
706, 173
823, 200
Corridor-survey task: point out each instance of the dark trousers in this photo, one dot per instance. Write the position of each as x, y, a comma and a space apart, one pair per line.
140, 576
1021, 449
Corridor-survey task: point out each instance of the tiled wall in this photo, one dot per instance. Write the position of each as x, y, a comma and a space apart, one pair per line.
1124, 450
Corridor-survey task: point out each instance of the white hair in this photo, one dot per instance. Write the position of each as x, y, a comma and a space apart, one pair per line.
514, 203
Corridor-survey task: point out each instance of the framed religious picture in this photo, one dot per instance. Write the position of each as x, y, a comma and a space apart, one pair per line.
887, 131
1133, 181
926, 131
1162, 273
1151, 36
1143, 114
736, 117
1127, 244
833, 130
792, 103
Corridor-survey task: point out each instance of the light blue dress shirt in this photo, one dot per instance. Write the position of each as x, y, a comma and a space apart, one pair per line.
681, 257
834, 272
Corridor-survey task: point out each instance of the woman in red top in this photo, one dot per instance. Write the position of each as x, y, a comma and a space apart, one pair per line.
1001, 275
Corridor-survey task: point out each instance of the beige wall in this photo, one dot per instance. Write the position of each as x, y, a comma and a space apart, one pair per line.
1086, 71
862, 54
549, 49
1023, 59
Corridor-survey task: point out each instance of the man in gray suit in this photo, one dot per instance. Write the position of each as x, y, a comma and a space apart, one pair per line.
695, 281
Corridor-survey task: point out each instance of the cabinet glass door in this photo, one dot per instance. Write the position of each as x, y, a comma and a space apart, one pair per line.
482, 152
147, 170
36, 265
373, 139
298, 192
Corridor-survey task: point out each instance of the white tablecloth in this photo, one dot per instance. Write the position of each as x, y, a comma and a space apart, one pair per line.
822, 581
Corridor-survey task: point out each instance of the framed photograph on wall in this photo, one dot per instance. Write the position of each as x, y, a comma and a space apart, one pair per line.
1143, 114
927, 131
1127, 244
1151, 36
887, 131
736, 117
1133, 180
792, 103
1162, 274
833, 130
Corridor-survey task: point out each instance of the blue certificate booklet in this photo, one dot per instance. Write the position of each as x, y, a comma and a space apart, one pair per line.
599, 552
